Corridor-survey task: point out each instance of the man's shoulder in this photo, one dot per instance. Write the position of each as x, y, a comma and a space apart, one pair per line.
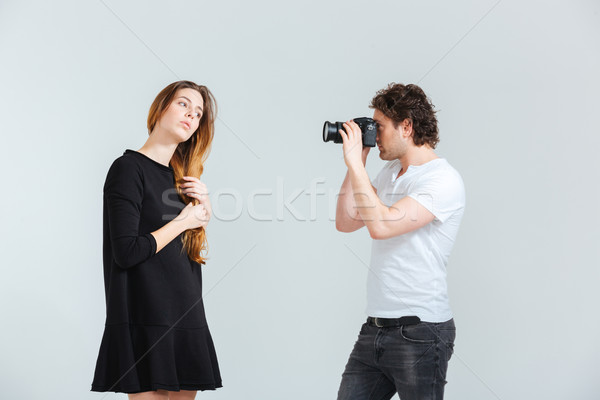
441, 179
442, 169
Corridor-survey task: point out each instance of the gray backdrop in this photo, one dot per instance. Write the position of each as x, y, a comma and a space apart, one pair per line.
516, 84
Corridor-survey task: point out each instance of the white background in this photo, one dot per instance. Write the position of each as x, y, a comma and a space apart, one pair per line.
516, 84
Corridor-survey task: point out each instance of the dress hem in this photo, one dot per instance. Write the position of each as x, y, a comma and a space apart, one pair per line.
155, 386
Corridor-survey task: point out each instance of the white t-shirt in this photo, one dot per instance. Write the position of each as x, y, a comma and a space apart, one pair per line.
407, 275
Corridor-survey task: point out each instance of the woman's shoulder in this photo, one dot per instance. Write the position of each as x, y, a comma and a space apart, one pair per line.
129, 159
126, 166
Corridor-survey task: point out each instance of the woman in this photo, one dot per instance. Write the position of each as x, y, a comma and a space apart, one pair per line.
156, 343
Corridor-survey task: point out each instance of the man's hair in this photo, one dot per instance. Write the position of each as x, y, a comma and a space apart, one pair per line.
399, 102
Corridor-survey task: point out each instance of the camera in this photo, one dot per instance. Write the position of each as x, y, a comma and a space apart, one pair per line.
367, 126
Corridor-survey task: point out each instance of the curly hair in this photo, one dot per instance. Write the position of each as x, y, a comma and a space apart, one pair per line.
399, 102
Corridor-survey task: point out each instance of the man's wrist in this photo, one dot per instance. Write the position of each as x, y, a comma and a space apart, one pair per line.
355, 167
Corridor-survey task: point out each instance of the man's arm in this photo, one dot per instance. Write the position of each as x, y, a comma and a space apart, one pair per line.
383, 222
347, 217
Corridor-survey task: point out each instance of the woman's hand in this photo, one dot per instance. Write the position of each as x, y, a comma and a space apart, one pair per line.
193, 216
198, 190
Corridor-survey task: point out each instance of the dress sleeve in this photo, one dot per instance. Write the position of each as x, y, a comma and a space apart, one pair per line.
123, 195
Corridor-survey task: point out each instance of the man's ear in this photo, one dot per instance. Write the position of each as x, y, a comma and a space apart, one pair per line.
408, 127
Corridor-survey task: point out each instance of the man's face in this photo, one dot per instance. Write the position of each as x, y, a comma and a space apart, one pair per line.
392, 142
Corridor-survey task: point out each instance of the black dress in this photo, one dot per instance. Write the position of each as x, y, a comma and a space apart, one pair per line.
156, 335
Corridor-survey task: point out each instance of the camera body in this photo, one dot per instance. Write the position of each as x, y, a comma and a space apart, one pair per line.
367, 126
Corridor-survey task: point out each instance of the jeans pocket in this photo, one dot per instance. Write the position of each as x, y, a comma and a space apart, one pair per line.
422, 333
362, 329
447, 336
450, 351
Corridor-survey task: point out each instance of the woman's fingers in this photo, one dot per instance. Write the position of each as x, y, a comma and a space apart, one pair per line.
200, 211
199, 187
195, 195
194, 188
195, 215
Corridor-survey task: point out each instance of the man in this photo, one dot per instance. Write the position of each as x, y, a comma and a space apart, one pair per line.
412, 210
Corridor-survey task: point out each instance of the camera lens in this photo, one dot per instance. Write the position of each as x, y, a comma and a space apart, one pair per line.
330, 132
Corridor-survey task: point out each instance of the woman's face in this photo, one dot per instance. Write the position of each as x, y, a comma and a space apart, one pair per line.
182, 117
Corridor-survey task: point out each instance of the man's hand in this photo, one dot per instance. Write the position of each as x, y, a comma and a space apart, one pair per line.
365, 153
354, 153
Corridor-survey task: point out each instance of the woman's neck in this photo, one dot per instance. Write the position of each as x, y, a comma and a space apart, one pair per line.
159, 151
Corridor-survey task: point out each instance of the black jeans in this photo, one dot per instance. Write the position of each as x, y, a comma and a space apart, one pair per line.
410, 360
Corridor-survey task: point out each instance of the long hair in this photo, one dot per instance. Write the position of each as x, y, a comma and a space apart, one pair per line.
189, 157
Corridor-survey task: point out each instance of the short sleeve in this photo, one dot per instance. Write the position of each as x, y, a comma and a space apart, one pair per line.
123, 195
441, 192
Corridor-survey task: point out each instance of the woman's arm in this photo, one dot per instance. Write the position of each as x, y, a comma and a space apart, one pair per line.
190, 217
123, 194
